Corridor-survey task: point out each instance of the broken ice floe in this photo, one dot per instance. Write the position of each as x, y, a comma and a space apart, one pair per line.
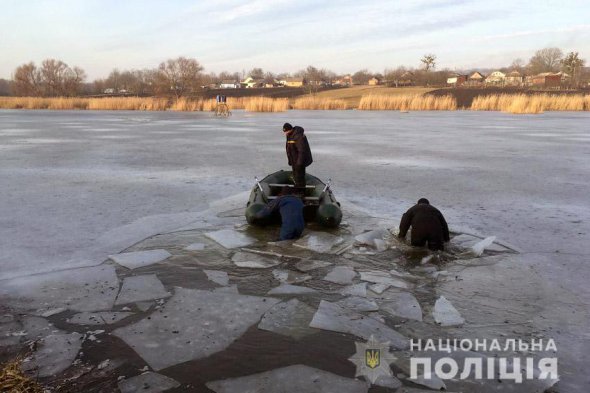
254, 261
217, 276
358, 304
139, 288
193, 324
288, 289
445, 314
375, 238
319, 242
55, 353
469, 242
331, 316
195, 247
98, 318
290, 318
84, 289
135, 259
143, 306
289, 276
292, 379
147, 383
309, 265
379, 277
230, 238
404, 305
388, 381
379, 288
355, 290
478, 248
341, 275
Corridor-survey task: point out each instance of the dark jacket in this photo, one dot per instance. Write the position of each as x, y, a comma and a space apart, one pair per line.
291, 209
427, 223
298, 152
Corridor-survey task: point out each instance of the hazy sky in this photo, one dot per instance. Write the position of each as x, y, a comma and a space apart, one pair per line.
287, 35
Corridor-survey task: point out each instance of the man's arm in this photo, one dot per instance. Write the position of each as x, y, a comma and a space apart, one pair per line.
445, 227
269, 209
405, 223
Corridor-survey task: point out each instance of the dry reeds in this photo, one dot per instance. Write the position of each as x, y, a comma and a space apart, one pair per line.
317, 103
265, 104
376, 102
538, 103
13, 380
128, 104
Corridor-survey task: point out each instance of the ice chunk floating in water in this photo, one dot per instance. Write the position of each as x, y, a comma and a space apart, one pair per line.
331, 316
319, 242
217, 276
309, 265
230, 238
98, 318
193, 324
291, 318
288, 289
133, 260
55, 354
291, 379
341, 275
195, 247
479, 247
253, 261
445, 314
139, 288
147, 383
402, 305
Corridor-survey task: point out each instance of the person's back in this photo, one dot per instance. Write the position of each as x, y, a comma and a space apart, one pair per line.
290, 207
428, 225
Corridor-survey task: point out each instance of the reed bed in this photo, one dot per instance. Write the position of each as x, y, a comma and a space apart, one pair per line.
538, 103
318, 103
12, 379
415, 102
265, 104
128, 104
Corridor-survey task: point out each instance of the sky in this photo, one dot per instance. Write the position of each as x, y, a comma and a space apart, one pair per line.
287, 35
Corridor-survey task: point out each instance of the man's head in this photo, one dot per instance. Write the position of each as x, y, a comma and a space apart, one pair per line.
423, 201
287, 128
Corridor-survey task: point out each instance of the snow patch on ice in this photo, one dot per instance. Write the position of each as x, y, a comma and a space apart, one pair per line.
133, 260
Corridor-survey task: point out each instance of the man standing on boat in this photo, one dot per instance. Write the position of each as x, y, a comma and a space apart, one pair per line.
298, 154
428, 225
290, 207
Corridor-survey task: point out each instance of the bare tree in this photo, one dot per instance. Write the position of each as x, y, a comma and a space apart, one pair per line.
256, 73
27, 80
429, 62
53, 73
545, 60
72, 81
361, 77
517, 65
180, 75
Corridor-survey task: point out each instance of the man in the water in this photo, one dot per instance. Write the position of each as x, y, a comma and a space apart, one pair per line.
290, 207
428, 226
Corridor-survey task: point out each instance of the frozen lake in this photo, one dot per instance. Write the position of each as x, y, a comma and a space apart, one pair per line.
76, 187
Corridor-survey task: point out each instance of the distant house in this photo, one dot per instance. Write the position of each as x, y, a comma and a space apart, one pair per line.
250, 83
344, 81
109, 91
374, 81
293, 82
549, 80
475, 79
229, 84
514, 78
456, 80
406, 79
496, 78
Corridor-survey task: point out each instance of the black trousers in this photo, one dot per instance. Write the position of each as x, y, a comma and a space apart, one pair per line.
434, 244
299, 176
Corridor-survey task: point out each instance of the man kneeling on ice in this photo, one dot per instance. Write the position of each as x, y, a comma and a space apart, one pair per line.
428, 226
290, 207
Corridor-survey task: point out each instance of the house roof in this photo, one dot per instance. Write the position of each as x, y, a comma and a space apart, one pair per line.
293, 79
228, 82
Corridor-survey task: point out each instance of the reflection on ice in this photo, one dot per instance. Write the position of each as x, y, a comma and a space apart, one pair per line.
291, 379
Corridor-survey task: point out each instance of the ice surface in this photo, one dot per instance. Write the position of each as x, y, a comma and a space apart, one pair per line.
430, 381
193, 324
388, 381
379, 277
445, 314
341, 275
379, 288
309, 265
254, 261
143, 306
331, 316
133, 260
291, 379
358, 304
290, 318
403, 305
84, 289
321, 242
230, 238
55, 353
98, 318
147, 383
139, 288
288, 289
290, 277
217, 276
195, 247
355, 290
479, 247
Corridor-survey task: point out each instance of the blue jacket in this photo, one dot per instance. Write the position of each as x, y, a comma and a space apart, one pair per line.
291, 209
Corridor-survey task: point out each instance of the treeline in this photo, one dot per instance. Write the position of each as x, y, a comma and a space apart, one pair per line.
184, 76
